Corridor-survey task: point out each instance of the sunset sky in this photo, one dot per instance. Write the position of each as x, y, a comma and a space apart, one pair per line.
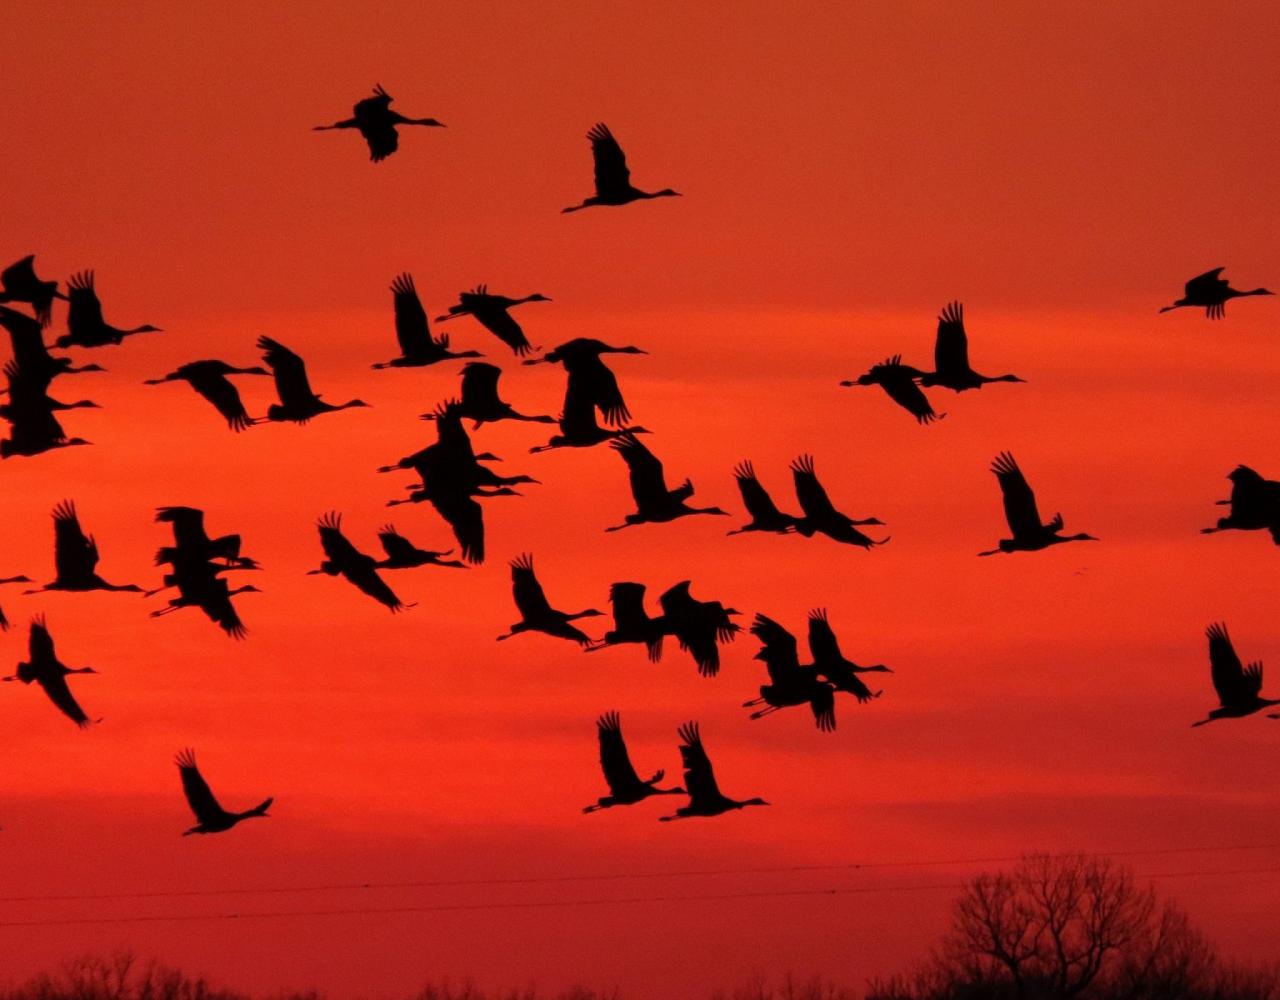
847, 169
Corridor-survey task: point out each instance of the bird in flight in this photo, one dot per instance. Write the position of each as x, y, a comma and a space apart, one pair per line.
298, 402
493, 312
33, 429
820, 515
1211, 292
1254, 503
18, 283
590, 377
209, 379
210, 816
418, 348
899, 382
1030, 534
403, 554
765, 515
613, 179
29, 350
377, 123
705, 797
1239, 687
44, 667
75, 556
951, 356
631, 622
699, 626
625, 786
832, 665
790, 684
655, 503
343, 558
480, 402
85, 325
536, 612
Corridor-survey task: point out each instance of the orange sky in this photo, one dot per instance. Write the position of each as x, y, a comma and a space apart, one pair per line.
845, 174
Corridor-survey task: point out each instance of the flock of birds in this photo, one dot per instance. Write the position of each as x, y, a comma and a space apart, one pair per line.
453, 479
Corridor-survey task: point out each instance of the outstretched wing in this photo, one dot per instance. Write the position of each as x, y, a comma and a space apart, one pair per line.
527, 591
74, 554
1206, 284
754, 496
40, 642
465, 516
699, 778
613, 179
1019, 500
336, 546
394, 544
480, 382
898, 381
225, 397
290, 372
412, 331
648, 485
84, 313
614, 759
813, 498
26, 336
196, 789
1234, 683
779, 651
55, 686
602, 385
951, 349
822, 639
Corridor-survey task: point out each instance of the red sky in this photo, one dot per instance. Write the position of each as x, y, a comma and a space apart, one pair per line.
846, 172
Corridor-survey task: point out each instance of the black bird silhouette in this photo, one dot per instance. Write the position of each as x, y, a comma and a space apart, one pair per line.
480, 402
705, 797
418, 347
699, 626
578, 426
18, 283
85, 325
820, 515
625, 786
1211, 292
209, 379
655, 504
899, 382
765, 515
343, 558
298, 403
200, 585
44, 667
832, 665
192, 542
377, 123
536, 612
29, 350
1239, 687
613, 179
210, 816
33, 429
1030, 534
403, 554
631, 623
951, 356
790, 683
590, 376
75, 556
493, 313
1254, 503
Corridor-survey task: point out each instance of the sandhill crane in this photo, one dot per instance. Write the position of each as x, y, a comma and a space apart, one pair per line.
403, 554
536, 612
480, 402
85, 325
75, 556
418, 347
44, 667
29, 350
200, 585
18, 283
1030, 534
592, 377
655, 504
765, 515
625, 786
33, 427
192, 542
1254, 503
1239, 687
699, 626
210, 816
705, 797
1211, 292
631, 623
377, 123
493, 313
613, 179
209, 379
832, 665
453, 460
578, 426
298, 403
951, 356
790, 684
899, 382
343, 558
820, 515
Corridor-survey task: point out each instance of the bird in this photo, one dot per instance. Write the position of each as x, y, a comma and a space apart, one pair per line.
1029, 533
790, 684
578, 425
29, 350
192, 542
403, 554
899, 382
418, 348
536, 612
591, 376
18, 283
631, 623
479, 398
200, 585
625, 786
705, 797
613, 179
209, 379
343, 558
832, 665
951, 356
33, 428
1239, 687
493, 313
1211, 292
210, 816
1254, 503
820, 515
298, 403
85, 325
655, 503
75, 556
699, 626
765, 515
44, 667
377, 123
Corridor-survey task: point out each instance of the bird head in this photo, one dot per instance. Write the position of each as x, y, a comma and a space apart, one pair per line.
639, 430
755, 802
255, 370
667, 193
537, 297
1082, 537
148, 328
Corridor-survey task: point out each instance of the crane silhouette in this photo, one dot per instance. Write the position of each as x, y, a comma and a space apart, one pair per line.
1239, 687
1211, 292
377, 123
705, 797
418, 348
1254, 503
631, 622
33, 429
765, 515
493, 312
44, 668
951, 356
625, 786
592, 378
19, 283
899, 382
480, 402
29, 350
820, 515
536, 612
75, 556
613, 179
578, 425
200, 585
344, 559
699, 626
192, 541
655, 503
1030, 534
298, 403
209, 379
832, 665
210, 816
403, 554
790, 684
85, 325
